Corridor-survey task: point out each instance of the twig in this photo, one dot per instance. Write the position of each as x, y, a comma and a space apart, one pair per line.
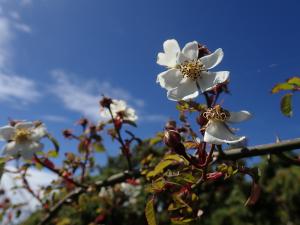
274, 148
117, 178
232, 154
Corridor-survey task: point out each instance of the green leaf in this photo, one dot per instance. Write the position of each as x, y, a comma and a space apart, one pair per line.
282, 87
98, 146
54, 142
294, 80
286, 105
150, 213
159, 168
176, 158
52, 154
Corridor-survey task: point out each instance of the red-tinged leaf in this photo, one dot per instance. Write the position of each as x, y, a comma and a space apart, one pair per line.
282, 87
286, 105
254, 196
150, 213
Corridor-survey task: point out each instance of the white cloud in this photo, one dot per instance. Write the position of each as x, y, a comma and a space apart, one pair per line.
14, 88
5, 40
22, 27
25, 2
55, 118
84, 97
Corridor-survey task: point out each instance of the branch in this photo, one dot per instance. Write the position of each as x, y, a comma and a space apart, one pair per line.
275, 148
72, 196
232, 154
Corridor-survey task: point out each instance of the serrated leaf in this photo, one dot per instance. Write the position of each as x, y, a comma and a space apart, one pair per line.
282, 87
158, 185
286, 105
159, 168
294, 80
150, 213
176, 158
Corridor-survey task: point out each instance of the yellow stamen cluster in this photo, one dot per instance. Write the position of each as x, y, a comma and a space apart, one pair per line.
217, 113
22, 135
192, 69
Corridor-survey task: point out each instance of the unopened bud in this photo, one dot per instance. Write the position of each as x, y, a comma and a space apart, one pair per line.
106, 102
171, 125
203, 50
67, 133
83, 122
172, 138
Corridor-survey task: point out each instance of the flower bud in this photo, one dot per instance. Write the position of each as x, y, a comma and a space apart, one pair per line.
68, 133
106, 102
171, 125
83, 122
203, 50
172, 138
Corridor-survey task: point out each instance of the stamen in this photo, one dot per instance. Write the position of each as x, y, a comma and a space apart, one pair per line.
217, 113
22, 135
192, 69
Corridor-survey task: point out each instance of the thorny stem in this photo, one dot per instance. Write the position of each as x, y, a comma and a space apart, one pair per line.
28, 188
58, 172
120, 140
86, 158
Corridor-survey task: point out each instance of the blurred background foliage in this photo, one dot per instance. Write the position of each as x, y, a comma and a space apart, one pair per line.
221, 201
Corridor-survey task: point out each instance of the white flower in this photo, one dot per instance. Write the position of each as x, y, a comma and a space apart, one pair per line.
119, 107
187, 74
217, 131
131, 191
23, 139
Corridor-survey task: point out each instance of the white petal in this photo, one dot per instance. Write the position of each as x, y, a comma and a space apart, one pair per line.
38, 133
186, 89
219, 133
212, 60
10, 149
208, 80
169, 79
6, 133
182, 58
30, 148
191, 50
118, 106
130, 114
171, 50
24, 125
236, 117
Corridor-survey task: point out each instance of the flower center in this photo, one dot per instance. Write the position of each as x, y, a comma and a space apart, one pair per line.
192, 69
217, 113
22, 135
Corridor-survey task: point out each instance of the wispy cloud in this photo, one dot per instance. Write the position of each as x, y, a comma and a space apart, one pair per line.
13, 88
16, 88
83, 96
55, 118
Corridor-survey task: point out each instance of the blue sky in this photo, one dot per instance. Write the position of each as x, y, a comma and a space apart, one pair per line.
58, 56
